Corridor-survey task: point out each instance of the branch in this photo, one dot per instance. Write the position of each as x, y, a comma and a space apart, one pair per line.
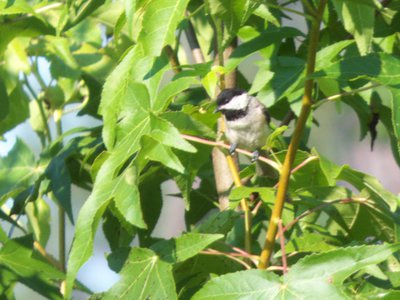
294, 170
194, 44
295, 142
173, 59
221, 144
352, 92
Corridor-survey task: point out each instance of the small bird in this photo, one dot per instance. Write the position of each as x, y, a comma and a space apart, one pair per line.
246, 119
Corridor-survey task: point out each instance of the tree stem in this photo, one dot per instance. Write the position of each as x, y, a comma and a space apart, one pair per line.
61, 211
294, 144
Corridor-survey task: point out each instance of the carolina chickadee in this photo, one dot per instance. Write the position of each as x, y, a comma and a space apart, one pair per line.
246, 120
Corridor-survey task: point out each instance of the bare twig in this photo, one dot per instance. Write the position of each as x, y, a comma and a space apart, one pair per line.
215, 252
226, 146
282, 240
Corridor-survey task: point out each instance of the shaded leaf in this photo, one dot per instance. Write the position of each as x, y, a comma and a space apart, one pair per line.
17, 255
18, 169
325, 272
265, 39
358, 19
184, 247
381, 67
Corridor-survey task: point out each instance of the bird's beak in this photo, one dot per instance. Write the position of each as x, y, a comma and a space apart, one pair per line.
216, 110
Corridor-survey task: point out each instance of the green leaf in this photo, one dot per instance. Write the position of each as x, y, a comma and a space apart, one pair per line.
63, 62
265, 39
323, 193
152, 150
388, 118
287, 74
395, 109
38, 213
158, 26
220, 222
143, 276
233, 13
4, 102
18, 169
188, 124
18, 110
251, 284
17, 255
15, 7
184, 247
244, 192
168, 135
106, 187
325, 272
361, 181
309, 242
169, 91
126, 87
381, 67
358, 19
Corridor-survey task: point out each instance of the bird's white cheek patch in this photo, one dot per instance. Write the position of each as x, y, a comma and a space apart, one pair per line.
237, 103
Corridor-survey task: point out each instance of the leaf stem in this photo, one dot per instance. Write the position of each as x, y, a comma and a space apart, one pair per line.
294, 144
61, 211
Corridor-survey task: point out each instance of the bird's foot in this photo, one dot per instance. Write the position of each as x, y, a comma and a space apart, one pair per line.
255, 156
232, 148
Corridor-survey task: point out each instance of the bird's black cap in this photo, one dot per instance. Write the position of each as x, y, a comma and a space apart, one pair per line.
226, 95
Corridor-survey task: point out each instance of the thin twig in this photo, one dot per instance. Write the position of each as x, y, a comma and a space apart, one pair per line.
352, 92
215, 252
226, 146
282, 240
294, 170
47, 256
291, 10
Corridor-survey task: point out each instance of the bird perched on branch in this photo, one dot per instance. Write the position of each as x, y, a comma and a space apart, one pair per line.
246, 120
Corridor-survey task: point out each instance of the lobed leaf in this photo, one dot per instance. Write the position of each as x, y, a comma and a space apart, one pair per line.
143, 276
324, 272
160, 19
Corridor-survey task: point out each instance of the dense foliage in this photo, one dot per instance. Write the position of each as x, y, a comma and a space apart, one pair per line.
149, 70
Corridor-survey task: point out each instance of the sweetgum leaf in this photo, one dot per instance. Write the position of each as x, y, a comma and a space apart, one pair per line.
143, 276
358, 19
324, 272
184, 247
158, 26
16, 255
18, 169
